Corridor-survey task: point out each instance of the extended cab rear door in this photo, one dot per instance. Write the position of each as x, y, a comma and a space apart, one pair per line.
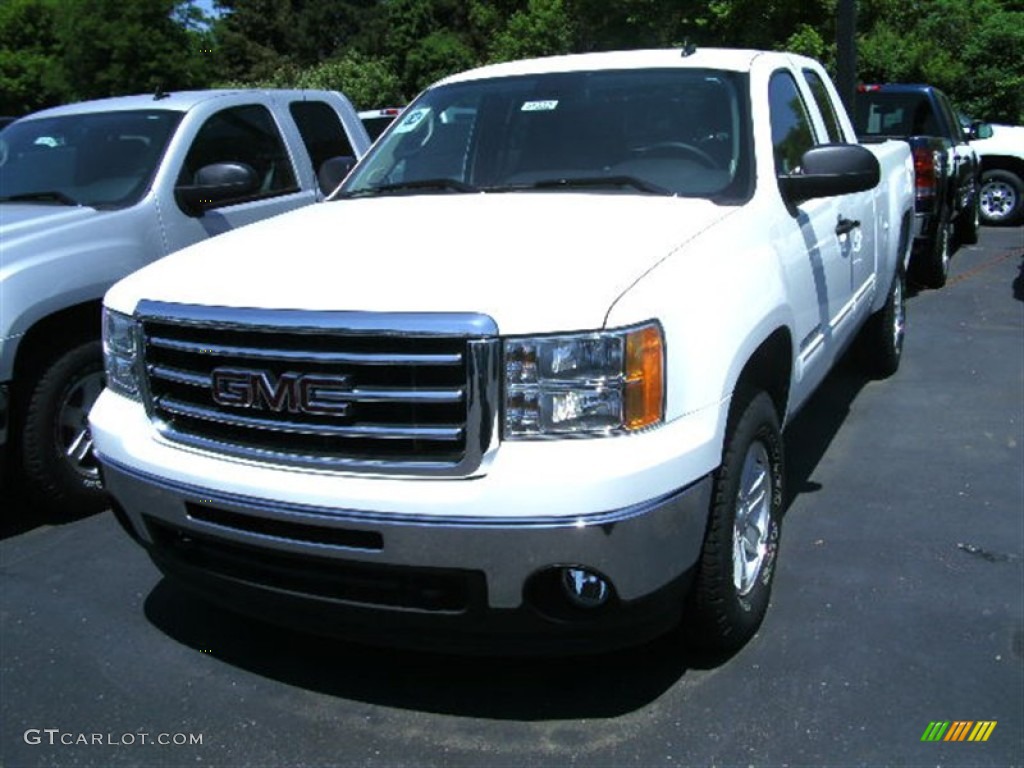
808, 245
859, 246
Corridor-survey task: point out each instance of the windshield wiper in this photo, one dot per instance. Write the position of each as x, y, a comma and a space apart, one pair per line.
601, 181
52, 196
453, 185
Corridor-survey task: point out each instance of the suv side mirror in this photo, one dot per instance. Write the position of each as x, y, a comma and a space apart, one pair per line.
215, 185
831, 169
333, 171
980, 130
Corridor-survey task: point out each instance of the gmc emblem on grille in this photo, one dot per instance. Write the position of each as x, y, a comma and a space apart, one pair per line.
292, 392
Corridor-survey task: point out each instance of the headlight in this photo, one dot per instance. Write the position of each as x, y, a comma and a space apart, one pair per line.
593, 383
120, 353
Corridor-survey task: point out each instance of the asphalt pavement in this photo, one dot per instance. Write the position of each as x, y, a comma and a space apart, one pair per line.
898, 603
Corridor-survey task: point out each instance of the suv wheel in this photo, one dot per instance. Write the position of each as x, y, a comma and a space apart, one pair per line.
1001, 198
734, 574
57, 454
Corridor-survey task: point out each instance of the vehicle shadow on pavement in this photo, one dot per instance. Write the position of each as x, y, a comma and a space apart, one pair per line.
18, 515
493, 687
812, 430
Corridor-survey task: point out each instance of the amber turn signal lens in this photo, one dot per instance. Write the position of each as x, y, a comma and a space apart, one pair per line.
645, 378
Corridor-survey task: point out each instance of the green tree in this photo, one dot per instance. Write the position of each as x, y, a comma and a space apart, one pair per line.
542, 28
31, 69
110, 47
439, 54
253, 39
972, 49
257, 38
625, 24
368, 83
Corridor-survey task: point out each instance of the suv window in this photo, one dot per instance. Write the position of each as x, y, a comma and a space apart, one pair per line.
791, 128
825, 105
245, 134
100, 159
321, 131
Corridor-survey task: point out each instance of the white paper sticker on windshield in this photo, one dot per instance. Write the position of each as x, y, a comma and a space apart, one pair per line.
411, 120
539, 106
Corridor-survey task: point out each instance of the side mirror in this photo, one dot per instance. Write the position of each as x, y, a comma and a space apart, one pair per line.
215, 185
831, 169
980, 130
333, 171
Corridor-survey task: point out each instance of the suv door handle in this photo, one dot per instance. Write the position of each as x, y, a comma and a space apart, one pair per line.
846, 226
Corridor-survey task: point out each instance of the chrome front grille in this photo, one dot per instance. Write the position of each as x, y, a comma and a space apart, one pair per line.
395, 393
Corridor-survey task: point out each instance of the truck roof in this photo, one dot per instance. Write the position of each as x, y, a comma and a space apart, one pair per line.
732, 59
177, 101
895, 87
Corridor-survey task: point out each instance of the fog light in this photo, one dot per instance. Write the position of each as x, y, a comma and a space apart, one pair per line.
585, 588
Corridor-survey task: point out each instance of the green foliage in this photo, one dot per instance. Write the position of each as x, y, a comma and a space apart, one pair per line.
382, 52
439, 54
543, 28
57, 51
368, 83
972, 49
110, 48
807, 41
30, 73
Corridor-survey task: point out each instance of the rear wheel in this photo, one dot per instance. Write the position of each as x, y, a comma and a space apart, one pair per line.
734, 574
881, 340
967, 225
57, 454
934, 264
1001, 197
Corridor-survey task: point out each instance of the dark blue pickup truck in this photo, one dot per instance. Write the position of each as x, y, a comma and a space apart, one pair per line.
946, 167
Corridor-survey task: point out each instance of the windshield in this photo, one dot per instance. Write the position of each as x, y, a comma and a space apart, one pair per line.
104, 160
674, 132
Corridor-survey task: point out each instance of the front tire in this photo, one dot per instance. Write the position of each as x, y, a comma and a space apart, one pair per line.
60, 466
734, 574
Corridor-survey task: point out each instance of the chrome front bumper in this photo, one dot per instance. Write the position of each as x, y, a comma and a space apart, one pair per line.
228, 546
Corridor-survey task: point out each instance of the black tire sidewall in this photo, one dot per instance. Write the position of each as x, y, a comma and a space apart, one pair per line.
53, 485
941, 255
719, 619
879, 353
967, 225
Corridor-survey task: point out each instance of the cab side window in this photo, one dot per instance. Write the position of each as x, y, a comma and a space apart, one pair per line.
248, 135
791, 127
321, 131
825, 106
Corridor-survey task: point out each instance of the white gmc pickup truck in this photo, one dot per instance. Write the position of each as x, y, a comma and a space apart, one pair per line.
546, 412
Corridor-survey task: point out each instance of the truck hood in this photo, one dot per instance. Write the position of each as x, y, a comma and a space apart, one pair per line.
1006, 140
533, 262
20, 223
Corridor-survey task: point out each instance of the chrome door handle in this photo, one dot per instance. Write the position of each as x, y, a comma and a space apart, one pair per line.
846, 226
